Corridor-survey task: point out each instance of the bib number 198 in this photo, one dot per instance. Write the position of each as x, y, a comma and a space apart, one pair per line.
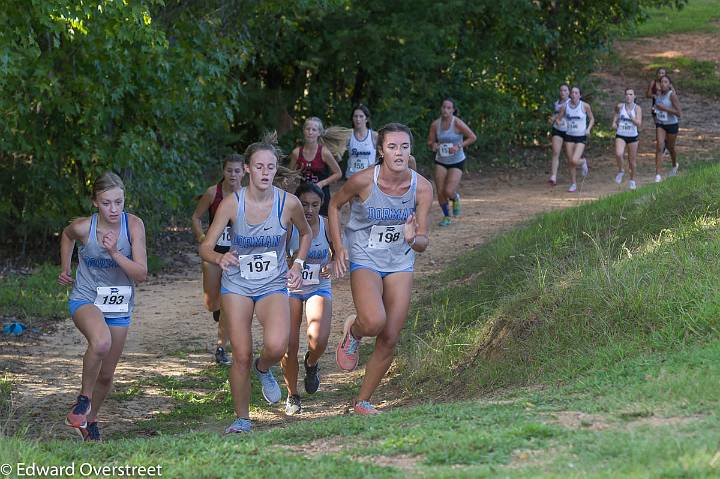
385, 237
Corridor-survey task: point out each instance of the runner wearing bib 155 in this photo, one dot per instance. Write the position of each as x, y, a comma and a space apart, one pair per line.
626, 123
255, 275
388, 224
111, 259
361, 144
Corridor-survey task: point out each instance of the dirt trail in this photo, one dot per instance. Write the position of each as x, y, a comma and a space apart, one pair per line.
170, 318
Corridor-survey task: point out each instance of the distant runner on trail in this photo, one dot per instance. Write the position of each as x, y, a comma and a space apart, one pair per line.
233, 171
362, 141
626, 122
557, 131
667, 124
580, 120
255, 275
388, 224
448, 138
111, 259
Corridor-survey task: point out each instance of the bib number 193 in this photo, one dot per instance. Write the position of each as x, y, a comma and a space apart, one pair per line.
113, 299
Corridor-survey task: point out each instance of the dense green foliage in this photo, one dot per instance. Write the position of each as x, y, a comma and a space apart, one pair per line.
158, 89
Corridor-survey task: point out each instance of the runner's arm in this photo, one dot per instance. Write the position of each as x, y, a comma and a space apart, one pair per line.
293, 159
590, 115
469, 136
73, 232
224, 214
649, 92
135, 268
332, 163
202, 207
637, 119
432, 138
616, 115
423, 202
675, 110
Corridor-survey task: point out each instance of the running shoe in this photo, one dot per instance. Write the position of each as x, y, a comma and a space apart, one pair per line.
292, 405
674, 170
346, 354
553, 180
573, 188
365, 408
270, 387
221, 356
632, 185
91, 432
312, 376
77, 417
658, 178
445, 221
619, 177
584, 167
239, 425
456, 205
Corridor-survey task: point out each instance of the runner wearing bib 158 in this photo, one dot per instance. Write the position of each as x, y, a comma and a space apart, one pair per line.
626, 123
111, 259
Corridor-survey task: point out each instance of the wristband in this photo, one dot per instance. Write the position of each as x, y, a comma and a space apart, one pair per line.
300, 262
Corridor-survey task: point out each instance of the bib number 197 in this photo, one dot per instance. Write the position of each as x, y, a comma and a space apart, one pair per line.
258, 266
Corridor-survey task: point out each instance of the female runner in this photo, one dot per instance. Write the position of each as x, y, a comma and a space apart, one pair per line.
667, 124
580, 120
557, 132
626, 123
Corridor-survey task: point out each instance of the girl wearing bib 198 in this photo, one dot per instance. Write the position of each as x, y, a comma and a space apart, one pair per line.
233, 171
388, 224
667, 122
557, 132
361, 144
111, 259
580, 120
316, 294
255, 274
448, 138
626, 123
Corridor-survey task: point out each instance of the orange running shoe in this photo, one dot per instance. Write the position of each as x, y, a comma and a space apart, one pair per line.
346, 354
365, 408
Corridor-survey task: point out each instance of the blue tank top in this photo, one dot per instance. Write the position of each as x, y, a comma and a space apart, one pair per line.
374, 233
663, 117
447, 138
261, 249
96, 268
318, 256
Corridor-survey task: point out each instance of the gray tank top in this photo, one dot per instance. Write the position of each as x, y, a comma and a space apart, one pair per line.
448, 137
97, 269
317, 257
375, 231
663, 117
259, 272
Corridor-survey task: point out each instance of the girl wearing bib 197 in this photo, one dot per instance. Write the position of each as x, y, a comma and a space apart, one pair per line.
361, 144
667, 123
233, 171
111, 259
626, 123
316, 163
448, 138
255, 274
580, 120
557, 132
316, 294
388, 224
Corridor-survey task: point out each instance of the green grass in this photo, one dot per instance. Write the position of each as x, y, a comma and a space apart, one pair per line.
698, 76
36, 295
696, 16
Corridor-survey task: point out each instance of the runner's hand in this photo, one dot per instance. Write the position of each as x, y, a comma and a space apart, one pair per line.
294, 277
109, 242
228, 260
326, 271
410, 228
65, 279
341, 262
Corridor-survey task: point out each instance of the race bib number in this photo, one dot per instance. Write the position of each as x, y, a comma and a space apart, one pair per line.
626, 127
311, 274
258, 266
574, 126
225, 238
358, 164
562, 124
661, 115
113, 299
385, 237
444, 149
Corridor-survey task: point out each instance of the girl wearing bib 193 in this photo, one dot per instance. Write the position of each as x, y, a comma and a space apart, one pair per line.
580, 120
557, 132
388, 224
316, 294
448, 138
626, 123
361, 144
316, 163
233, 171
667, 123
255, 274
111, 259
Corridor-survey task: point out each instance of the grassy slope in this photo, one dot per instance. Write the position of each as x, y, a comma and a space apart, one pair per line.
697, 15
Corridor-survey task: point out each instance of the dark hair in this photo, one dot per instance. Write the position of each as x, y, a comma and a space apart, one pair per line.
666, 76
629, 88
455, 108
391, 128
307, 187
578, 88
363, 109
233, 158
564, 85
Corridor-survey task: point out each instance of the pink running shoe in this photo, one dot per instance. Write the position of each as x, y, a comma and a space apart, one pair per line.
364, 408
346, 354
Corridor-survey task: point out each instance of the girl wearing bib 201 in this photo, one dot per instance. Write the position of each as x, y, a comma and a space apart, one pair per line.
361, 144
111, 259
388, 224
626, 123
448, 138
316, 294
557, 132
667, 124
233, 171
580, 120
255, 274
